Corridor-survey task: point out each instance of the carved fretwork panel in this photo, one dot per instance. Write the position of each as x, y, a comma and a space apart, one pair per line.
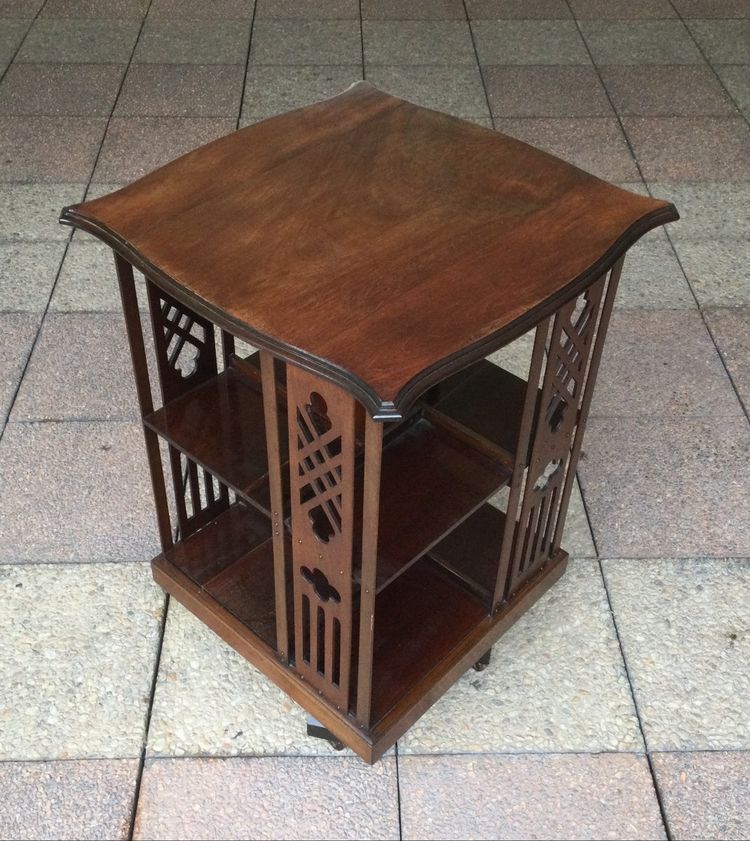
551, 466
321, 470
184, 343
199, 496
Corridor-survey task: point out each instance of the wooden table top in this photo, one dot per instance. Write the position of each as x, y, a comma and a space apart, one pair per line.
377, 243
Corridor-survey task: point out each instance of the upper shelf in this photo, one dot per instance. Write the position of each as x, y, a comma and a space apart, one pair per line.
378, 243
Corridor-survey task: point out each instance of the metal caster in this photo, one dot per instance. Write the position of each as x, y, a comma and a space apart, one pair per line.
483, 661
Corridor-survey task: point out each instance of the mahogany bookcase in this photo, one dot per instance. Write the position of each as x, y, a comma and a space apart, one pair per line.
328, 512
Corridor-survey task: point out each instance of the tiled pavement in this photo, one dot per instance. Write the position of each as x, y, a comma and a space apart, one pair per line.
619, 706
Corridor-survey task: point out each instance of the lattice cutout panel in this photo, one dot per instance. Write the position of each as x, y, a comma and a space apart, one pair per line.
569, 349
200, 498
321, 469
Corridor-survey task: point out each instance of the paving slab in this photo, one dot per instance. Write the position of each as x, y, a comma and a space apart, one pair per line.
80, 41
273, 797
712, 8
20, 8
408, 10
11, 35
545, 797
518, 9
622, 9
76, 800
640, 42
306, 42
80, 642
652, 277
27, 274
556, 682
736, 79
97, 9
529, 42
193, 42
417, 42
667, 487
723, 41
718, 271
200, 10
19, 332
731, 331
29, 212
684, 625
708, 211
80, 492
307, 10
705, 795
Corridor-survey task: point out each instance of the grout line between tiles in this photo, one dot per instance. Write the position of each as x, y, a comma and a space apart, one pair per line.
398, 794
12, 59
479, 65
247, 67
361, 37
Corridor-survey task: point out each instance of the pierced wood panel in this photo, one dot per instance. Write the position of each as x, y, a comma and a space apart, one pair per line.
321, 467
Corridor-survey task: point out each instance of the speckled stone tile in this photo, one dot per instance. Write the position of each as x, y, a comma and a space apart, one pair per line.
723, 41
690, 148
545, 92
11, 35
529, 42
556, 682
407, 10
570, 797
275, 90
200, 10
78, 90
718, 271
595, 144
661, 363
666, 90
417, 42
712, 8
181, 90
455, 90
79, 647
705, 795
238, 798
518, 9
61, 384
622, 9
40, 148
18, 332
81, 493
707, 211
307, 9
79, 41
731, 330
98, 9
20, 8
133, 146
77, 800
736, 79
27, 273
652, 277
684, 625
306, 42
193, 42
665, 487
640, 42
29, 212
210, 701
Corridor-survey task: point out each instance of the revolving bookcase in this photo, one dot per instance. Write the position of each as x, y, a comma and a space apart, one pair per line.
332, 503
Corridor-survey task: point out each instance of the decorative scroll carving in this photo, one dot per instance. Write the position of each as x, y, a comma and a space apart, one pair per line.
321, 465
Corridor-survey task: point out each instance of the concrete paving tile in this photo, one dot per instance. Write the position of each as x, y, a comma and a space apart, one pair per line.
181, 90
210, 701
133, 146
18, 331
200, 10
307, 10
705, 795
80, 41
81, 493
666, 90
736, 79
80, 642
29, 212
274, 90
690, 148
731, 330
545, 92
193, 42
406, 10
61, 383
684, 631
718, 271
78, 90
556, 682
49, 149
306, 42
708, 212
446, 42
77, 800
20, 8
712, 8
456, 90
27, 273
11, 35
667, 487
723, 41
582, 796
238, 798
652, 277
529, 42
661, 363
640, 42
595, 144
518, 9
622, 9
97, 9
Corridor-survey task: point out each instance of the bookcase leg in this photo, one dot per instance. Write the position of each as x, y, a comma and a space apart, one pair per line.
318, 731
483, 661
